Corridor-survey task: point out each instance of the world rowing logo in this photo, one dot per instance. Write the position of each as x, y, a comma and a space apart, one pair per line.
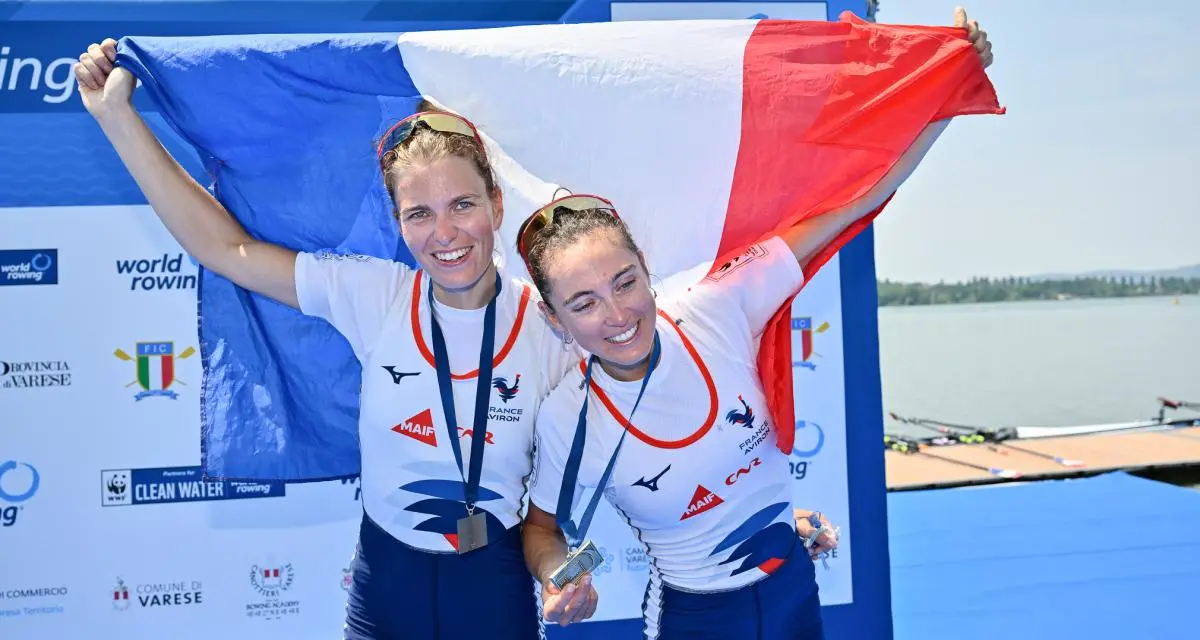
741, 419
506, 392
19, 496
810, 439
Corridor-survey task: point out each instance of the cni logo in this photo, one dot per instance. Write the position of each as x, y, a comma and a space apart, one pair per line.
14, 492
736, 475
805, 327
120, 596
155, 367
464, 433
347, 579
506, 392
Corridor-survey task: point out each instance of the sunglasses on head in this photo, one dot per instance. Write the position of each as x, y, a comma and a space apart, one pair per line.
436, 120
544, 217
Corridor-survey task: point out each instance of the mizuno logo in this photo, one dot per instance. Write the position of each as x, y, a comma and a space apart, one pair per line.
702, 501
733, 477
397, 376
652, 483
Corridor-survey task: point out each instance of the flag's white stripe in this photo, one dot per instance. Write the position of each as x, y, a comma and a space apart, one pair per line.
572, 103
154, 379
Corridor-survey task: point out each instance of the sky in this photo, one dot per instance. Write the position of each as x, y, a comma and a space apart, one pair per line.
1089, 169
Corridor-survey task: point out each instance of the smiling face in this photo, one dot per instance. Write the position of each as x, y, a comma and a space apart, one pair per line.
449, 207
600, 294
448, 221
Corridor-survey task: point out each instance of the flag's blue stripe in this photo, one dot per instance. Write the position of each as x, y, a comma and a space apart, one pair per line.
286, 124
276, 11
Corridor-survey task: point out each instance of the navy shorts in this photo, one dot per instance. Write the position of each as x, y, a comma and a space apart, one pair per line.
782, 606
399, 592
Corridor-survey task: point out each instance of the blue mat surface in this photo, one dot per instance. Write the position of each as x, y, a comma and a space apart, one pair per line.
1114, 556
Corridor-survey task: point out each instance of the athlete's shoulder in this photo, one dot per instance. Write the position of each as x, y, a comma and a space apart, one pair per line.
564, 399
356, 262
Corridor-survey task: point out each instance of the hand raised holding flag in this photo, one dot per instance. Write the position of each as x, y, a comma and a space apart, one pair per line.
101, 84
975, 36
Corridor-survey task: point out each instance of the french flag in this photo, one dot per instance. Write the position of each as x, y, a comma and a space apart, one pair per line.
708, 136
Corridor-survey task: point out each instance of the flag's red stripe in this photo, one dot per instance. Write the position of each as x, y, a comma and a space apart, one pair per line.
168, 371
827, 110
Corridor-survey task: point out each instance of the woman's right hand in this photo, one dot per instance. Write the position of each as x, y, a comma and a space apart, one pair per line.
104, 87
572, 604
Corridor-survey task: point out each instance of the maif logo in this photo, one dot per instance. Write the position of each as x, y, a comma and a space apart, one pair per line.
419, 428
155, 368
19, 482
702, 501
157, 274
28, 266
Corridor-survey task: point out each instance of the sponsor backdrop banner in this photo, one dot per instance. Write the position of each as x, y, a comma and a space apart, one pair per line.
107, 529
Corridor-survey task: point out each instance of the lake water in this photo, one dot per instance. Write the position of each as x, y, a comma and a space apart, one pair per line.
1039, 363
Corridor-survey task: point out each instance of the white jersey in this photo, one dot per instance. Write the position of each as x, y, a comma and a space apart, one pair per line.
411, 484
699, 477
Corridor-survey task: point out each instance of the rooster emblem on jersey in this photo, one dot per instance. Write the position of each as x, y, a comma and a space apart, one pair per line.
740, 419
506, 392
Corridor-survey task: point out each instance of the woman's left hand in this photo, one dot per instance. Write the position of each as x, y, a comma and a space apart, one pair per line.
825, 542
975, 36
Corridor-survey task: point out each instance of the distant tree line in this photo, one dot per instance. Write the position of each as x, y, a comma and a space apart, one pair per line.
1016, 288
